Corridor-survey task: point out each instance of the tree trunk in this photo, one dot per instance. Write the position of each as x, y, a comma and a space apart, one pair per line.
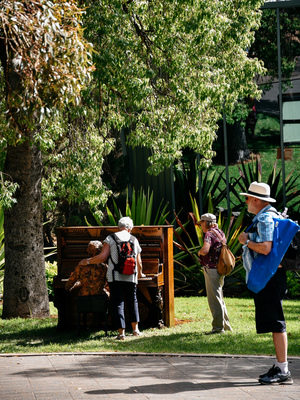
25, 290
237, 143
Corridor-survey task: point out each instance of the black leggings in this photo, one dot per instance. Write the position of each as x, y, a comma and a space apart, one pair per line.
121, 293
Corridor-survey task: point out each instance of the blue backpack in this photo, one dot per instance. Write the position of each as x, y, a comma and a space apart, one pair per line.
265, 266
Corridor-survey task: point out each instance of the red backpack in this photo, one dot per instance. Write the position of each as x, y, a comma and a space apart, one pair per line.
126, 256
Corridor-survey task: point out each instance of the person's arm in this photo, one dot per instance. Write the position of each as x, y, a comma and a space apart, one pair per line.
99, 258
261, 248
204, 249
73, 278
258, 247
140, 266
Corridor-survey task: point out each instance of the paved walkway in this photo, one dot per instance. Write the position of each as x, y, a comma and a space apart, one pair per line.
140, 376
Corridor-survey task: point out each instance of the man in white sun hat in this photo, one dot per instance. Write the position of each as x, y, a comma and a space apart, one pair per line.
269, 315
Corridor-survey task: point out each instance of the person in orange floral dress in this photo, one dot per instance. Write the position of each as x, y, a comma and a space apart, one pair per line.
90, 279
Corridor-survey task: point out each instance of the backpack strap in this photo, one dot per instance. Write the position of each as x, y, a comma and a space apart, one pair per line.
255, 222
114, 238
132, 239
216, 255
219, 237
250, 226
273, 211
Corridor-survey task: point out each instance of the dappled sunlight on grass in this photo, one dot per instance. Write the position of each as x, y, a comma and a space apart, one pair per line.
41, 335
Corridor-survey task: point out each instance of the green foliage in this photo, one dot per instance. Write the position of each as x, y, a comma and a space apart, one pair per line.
166, 69
73, 162
51, 271
239, 113
267, 132
188, 274
140, 210
293, 284
45, 48
187, 183
48, 64
253, 172
7, 191
265, 45
163, 71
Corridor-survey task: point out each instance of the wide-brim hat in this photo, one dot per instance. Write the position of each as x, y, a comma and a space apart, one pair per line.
261, 191
208, 217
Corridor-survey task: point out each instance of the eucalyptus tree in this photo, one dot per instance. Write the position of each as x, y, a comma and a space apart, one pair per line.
45, 63
167, 70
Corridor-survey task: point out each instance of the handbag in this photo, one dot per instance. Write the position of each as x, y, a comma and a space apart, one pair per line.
226, 262
265, 266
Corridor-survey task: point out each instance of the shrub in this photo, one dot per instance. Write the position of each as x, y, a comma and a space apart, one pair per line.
253, 172
188, 273
51, 271
140, 210
293, 285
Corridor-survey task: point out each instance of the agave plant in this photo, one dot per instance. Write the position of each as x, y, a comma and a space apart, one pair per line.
187, 183
140, 210
188, 272
253, 172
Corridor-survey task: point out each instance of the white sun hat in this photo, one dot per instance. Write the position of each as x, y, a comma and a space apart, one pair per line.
261, 191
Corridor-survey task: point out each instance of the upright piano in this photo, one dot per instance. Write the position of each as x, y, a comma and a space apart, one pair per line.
155, 291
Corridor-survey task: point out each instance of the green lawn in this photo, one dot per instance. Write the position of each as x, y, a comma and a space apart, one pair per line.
193, 319
267, 141
192, 314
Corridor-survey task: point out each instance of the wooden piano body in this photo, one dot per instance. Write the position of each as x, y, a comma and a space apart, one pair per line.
155, 291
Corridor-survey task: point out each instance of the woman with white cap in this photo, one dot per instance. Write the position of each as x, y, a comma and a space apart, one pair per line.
209, 255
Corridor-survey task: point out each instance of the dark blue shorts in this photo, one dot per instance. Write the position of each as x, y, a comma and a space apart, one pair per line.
269, 315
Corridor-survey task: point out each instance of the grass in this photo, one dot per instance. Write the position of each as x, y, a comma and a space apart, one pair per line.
193, 318
192, 314
267, 141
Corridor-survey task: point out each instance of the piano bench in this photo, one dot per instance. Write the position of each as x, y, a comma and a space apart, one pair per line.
91, 304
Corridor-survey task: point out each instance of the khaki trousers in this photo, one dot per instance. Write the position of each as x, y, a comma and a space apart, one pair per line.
214, 290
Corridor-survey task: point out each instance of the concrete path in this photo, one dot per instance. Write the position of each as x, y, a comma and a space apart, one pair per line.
140, 376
